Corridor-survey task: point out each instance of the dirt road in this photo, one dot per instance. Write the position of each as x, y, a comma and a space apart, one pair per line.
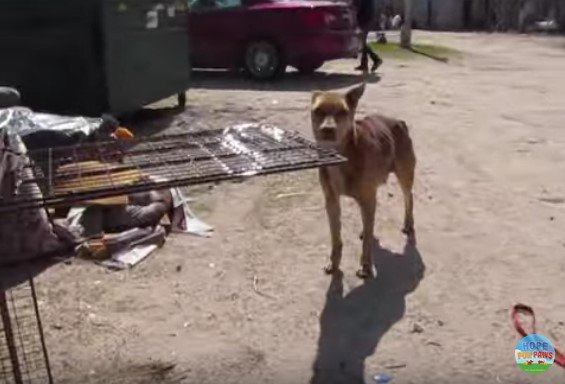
490, 218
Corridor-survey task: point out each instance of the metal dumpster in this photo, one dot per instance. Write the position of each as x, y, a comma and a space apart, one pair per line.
93, 56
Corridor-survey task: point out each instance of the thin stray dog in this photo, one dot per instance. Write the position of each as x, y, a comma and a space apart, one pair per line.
374, 147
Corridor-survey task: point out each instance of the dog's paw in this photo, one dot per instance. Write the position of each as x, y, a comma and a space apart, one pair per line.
331, 269
365, 273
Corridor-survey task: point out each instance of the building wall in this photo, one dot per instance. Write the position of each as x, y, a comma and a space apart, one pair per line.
481, 14
438, 14
561, 16
451, 14
420, 14
447, 14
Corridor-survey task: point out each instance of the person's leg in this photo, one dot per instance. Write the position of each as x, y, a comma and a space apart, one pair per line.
118, 219
145, 209
377, 61
364, 65
91, 222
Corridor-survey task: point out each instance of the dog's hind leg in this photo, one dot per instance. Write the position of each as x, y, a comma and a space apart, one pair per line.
368, 205
404, 170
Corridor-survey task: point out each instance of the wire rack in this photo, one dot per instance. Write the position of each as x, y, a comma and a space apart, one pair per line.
23, 356
94, 171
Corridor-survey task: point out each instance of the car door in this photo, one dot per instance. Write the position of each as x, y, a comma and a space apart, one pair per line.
217, 29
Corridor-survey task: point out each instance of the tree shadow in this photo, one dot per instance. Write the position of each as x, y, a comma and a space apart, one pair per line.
291, 81
429, 55
352, 325
151, 121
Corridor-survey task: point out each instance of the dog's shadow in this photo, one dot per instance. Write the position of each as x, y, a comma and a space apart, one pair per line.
351, 326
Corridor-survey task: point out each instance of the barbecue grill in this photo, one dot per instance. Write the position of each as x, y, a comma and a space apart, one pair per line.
71, 175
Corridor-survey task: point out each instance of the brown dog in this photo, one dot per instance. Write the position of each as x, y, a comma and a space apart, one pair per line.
374, 146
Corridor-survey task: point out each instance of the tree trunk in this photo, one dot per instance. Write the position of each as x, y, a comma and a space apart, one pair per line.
406, 32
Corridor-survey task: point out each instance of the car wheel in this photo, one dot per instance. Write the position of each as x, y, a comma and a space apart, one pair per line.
181, 98
308, 68
263, 60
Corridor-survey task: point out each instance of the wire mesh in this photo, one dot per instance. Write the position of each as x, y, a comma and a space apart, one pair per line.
23, 356
100, 170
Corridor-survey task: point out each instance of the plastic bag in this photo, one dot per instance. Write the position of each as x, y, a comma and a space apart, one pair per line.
9, 97
42, 130
11, 164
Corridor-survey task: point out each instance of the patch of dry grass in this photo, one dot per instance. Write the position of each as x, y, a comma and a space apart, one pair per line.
394, 51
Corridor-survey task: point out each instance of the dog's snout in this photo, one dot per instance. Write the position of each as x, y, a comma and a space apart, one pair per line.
328, 124
328, 129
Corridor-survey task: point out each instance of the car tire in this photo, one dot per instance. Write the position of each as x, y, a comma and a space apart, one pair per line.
309, 68
181, 99
263, 60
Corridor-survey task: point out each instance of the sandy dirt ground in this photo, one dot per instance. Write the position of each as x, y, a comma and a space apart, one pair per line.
490, 216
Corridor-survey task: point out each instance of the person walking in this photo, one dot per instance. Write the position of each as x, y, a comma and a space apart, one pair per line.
365, 14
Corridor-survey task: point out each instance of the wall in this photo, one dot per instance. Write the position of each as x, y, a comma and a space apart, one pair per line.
438, 14
480, 15
447, 14
485, 14
420, 14
450, 14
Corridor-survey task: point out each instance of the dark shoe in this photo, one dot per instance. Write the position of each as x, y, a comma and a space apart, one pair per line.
362, 68
376, 65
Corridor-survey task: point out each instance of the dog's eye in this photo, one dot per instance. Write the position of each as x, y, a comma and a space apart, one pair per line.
341, 114
319, 113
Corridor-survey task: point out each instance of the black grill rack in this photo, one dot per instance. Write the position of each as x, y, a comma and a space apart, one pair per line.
23, 356
170, 161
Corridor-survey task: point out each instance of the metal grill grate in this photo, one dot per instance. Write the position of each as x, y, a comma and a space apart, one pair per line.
101, 170
23, 357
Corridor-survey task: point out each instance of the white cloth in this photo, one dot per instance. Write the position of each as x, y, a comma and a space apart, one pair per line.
184, 220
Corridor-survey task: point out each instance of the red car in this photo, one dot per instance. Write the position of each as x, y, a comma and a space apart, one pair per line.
265, 36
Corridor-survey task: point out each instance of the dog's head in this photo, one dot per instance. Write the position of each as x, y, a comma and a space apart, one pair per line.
333, 114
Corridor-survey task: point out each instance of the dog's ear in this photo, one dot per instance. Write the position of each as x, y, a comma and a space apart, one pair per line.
315, 95
353, 95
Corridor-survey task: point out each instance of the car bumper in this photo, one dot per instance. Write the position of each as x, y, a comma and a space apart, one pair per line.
326, 46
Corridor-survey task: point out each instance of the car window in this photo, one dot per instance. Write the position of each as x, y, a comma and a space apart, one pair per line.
228, 3
213, 4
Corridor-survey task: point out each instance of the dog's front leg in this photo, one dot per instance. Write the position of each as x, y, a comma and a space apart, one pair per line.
368, 205
333, 210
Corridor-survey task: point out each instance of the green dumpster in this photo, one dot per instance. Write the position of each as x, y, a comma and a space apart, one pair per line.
94, 56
